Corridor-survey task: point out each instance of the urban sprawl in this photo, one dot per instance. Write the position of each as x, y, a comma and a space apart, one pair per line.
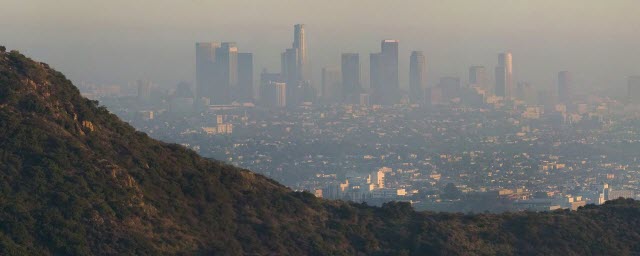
482, 143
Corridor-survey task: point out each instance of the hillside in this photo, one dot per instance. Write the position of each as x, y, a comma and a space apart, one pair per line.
75, 180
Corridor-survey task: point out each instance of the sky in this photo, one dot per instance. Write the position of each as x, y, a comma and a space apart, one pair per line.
118, 41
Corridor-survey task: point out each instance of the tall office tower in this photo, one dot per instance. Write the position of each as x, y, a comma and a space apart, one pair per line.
331, 89
633, 88
300, 43
351, 78
205, 68
501, 82
565, 85
417, 77
226, 77
391, 86
375, 83
478, 77
274, 94
505, 60
384, 74
290, 74
244, 91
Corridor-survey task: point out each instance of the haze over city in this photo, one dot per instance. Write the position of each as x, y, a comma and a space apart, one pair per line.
335, 127
118, 42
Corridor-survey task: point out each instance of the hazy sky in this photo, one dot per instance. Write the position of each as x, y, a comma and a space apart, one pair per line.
116, 41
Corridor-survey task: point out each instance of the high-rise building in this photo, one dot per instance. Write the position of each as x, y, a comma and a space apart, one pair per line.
417, 77
375, 83
290, 74
505, 60
478, 77
331, 89
384, 69
205, 68
565, 85
351, 77
390, 77
244, 92
227, 73
222, 74
300, 43
274, 94
281, 94
501, 82
296, 70
633, 90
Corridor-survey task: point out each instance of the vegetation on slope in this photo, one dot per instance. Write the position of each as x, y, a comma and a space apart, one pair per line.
74, 179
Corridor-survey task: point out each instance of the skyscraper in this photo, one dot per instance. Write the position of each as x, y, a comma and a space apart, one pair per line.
205, 68
390, 70
505, 60
501, 82
244, 91
222, 74
384, 69
296, 71
226, 64
478, 77
375, 83
633, 88
300, 43
565, 84
331, 89
290, 74
417, 77
351, 77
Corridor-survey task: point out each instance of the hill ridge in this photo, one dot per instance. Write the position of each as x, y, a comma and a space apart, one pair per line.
74, 179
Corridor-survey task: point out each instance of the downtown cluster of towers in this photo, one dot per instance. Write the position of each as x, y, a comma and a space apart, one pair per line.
224, 75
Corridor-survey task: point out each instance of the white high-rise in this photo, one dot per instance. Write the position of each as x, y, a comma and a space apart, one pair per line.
300, 43
504, 82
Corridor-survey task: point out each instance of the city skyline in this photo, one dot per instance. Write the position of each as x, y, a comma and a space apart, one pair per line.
224, 76
158, 51
287, 127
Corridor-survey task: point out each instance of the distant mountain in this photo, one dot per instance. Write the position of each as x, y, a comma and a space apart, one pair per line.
75, 180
